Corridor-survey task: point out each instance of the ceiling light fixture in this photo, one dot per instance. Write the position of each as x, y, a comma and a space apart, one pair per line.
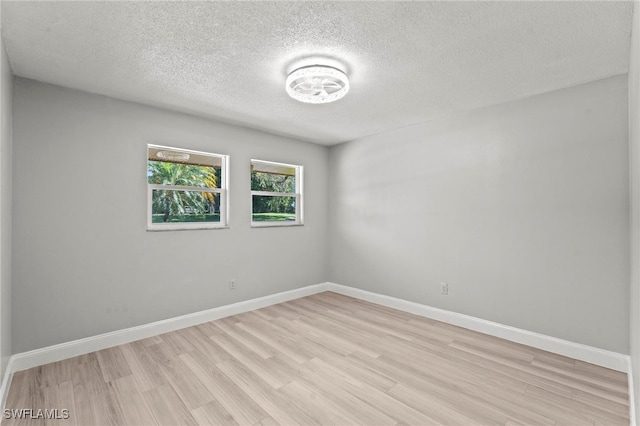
317, 84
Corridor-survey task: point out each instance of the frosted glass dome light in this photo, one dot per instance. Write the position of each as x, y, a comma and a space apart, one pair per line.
317, 84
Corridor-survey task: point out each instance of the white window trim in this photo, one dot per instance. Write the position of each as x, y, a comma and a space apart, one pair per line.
297, 195
223, 191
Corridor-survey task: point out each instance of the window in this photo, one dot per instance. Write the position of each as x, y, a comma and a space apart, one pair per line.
186, 189
276, 194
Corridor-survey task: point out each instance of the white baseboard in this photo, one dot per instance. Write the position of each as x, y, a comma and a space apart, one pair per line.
632, 398
608, 359
25, 360
604, 358
6, 382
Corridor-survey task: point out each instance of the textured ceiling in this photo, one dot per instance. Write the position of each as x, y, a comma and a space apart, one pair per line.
408, 62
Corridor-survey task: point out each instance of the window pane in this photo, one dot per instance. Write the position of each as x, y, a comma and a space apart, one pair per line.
273, 182
167, 173
184, 206
273, 209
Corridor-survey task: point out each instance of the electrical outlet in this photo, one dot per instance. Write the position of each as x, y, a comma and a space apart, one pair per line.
232, 284
444, 288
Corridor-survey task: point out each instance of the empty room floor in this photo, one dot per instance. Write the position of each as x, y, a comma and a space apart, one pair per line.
323, 359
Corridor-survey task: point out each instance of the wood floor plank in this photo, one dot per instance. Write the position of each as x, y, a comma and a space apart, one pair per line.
352, 339
594, 401
50, 395
322, 335
565, 409
83, 359
507, 372
177, 341
207, 328
472, 388
247, 339
434, 409
142, 367
242, 408
442, 388
213, 413
318, 407
363, 371
84, 414
616, 396
94, 403
261, 392
601, 372
326, 359
445, 358
132, 402
267, 421
283, 310
265, 313
363, 412
56, 373
379, 329
113, 364
242, 354
197, 339
151, 341
26, 390
362, 389
66, 401
309, 341
277, 344
600, 382
167, 408
184, 381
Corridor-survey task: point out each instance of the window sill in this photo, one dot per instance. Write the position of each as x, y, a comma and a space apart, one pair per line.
195, 228
275, 224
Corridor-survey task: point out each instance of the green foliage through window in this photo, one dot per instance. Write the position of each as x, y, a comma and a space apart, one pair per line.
184, 206
273, 183
184, 186
274, 196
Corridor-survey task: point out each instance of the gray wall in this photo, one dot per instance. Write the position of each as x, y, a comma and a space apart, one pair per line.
522, 208
83, 262
634, 161
6, 117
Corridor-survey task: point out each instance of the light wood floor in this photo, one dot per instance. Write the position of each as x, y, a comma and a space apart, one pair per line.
323, 359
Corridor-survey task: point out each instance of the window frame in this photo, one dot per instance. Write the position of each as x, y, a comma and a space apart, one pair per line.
298, 195
222, 191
